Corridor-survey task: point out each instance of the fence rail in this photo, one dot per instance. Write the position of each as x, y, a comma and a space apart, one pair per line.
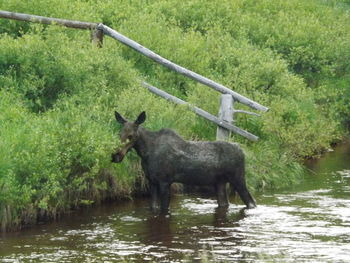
98, 30
188, 73
202, 113
47, 20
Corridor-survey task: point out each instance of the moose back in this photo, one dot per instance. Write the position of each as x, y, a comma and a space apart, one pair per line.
167, 158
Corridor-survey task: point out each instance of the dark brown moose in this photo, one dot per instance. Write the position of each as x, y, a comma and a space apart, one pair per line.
167, 158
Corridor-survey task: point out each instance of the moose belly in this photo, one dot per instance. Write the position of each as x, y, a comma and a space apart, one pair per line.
199, 163
197, 172
196, 178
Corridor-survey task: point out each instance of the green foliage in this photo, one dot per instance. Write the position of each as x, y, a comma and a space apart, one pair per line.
312, 38
54, 161
57, 129
58, 92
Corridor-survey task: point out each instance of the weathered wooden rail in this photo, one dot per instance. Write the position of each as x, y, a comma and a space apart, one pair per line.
47, 20
97, 35
222, 122
188, 73
228, 98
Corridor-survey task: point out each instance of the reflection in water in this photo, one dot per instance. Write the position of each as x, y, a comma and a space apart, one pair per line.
221, 216
308, 223
158, 230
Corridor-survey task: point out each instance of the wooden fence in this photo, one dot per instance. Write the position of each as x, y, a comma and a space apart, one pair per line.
228, 97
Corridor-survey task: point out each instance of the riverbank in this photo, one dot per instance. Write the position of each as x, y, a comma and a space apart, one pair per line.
58, 93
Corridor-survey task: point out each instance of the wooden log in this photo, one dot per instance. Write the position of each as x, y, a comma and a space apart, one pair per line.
47, 20
201, 112
163, 94
226, 115
97, 37
188, 73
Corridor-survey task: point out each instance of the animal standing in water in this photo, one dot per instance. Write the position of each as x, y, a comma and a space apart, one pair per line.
167, 158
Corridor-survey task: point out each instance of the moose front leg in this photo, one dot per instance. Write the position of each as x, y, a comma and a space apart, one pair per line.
221, 194
154, 191
164, 189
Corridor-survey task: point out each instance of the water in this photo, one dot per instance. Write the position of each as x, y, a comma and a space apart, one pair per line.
305, 223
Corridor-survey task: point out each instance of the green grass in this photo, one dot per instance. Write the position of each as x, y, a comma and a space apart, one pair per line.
58, 92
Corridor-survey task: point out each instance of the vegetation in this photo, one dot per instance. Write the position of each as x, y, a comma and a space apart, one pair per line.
58, 92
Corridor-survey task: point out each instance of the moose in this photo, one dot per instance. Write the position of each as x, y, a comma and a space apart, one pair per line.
167, 158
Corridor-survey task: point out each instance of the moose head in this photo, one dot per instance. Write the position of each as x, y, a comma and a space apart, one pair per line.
128, 135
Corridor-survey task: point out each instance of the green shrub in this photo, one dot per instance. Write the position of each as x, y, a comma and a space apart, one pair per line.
56, 149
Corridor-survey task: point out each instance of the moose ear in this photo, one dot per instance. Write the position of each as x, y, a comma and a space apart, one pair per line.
141, 118
119, 118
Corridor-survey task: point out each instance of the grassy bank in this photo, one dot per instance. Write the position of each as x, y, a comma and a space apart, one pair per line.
58, 92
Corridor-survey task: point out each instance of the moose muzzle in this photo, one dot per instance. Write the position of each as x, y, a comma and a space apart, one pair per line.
119, 155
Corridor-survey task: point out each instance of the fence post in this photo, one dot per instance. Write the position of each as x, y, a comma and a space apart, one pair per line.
97, 37
225, 114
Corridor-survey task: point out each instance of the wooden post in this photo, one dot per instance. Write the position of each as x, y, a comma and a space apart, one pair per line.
97, 37
225, 115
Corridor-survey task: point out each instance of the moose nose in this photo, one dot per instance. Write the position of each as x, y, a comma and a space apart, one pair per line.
117, 157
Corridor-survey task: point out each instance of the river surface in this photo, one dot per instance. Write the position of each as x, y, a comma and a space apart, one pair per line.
309, 222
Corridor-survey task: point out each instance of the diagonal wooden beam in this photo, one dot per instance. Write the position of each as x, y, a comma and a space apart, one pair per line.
201, 112
188, 73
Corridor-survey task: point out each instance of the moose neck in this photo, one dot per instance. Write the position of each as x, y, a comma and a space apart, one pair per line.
144, 143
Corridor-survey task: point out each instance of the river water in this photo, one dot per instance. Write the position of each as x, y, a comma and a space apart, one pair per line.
309, 222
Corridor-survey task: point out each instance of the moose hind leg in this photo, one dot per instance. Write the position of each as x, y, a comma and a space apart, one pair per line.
221, 194
244, 194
